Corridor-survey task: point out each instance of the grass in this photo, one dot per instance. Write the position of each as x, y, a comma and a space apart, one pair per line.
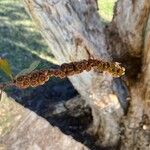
106, 9
20, 41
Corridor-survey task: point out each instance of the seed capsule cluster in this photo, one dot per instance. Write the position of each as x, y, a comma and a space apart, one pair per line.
37, 78
33, 79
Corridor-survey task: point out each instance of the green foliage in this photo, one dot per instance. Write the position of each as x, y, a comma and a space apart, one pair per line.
4, 65
106, 9
20, 41
32, 67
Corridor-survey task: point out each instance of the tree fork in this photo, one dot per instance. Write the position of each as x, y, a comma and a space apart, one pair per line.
74, 31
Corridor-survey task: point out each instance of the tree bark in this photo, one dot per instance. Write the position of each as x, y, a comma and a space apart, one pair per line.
132, 22
74, 31
20, 128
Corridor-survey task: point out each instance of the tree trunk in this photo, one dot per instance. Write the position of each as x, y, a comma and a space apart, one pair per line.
74, 31
21, 128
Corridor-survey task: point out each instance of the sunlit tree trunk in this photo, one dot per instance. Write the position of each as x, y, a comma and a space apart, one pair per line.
74, 31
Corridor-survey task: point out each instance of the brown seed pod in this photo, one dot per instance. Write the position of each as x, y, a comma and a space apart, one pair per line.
43, 79
119, 70
37, 78
87, 66
64, 67
78, 67
51, 72
22, 81
45, 72
57, 72
97, 62
26, 82
61, 74
70, 69
92, 62
34, 75
101, 66
106, 65
83, 64
34, 83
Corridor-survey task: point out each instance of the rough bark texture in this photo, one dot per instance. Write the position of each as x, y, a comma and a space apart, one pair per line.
131, 18
131, 22
146, 64
74, 32
23, 129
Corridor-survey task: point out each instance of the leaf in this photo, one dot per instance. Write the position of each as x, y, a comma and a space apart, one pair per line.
4, 65
34, 65
30, 69
1, 92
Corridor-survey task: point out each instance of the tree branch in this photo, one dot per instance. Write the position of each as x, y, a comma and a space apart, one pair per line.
74, 32
146, 65
130, 18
